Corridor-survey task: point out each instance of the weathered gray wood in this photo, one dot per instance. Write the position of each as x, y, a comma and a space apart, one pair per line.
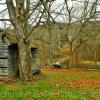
9, 58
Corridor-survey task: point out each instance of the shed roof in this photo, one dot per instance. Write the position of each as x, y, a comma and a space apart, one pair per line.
12, 39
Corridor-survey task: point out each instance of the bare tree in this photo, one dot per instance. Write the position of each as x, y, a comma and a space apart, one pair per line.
20, 13
76, 19
25, 12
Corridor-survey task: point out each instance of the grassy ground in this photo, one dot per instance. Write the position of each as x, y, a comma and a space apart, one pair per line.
54, 84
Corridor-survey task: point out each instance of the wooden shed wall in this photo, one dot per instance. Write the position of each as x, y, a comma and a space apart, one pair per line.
7, 59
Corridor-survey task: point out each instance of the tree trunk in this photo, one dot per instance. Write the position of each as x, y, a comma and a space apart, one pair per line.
95, 56
71, 56
25, 60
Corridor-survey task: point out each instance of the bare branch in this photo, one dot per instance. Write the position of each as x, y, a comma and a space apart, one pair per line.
11, 10
5, 20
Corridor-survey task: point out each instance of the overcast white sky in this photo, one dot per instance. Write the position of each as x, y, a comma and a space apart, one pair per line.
2, 7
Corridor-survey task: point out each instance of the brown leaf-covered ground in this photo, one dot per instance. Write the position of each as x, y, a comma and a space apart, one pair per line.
79, 79
54, 84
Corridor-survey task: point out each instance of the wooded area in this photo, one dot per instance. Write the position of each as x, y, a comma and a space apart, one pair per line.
69, 29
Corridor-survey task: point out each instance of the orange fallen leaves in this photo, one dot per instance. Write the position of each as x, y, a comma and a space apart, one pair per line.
84, 83
65, 71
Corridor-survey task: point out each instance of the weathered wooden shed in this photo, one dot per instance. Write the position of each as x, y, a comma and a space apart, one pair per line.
9, 57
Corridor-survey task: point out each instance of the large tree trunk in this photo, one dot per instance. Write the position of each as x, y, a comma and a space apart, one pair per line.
25, 60
19, 13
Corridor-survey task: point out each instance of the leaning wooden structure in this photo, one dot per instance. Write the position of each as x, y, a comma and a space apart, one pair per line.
9, 57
